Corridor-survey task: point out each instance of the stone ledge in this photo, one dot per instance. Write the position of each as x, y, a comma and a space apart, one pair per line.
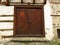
55, 15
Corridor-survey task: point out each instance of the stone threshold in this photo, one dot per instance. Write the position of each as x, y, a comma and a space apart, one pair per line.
29, 39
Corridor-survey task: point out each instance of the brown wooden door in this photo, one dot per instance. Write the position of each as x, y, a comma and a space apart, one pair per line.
29, 22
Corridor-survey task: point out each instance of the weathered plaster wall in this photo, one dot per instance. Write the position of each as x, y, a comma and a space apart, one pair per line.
54, 1
55, 6
55, 9
55, 18
48, 21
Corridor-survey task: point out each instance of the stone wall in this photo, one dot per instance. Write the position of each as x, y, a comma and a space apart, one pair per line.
54, 0
56, 25
5, 26
55, 9
55, 16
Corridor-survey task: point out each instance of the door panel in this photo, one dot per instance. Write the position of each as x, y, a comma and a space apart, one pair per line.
36, 25
22, 26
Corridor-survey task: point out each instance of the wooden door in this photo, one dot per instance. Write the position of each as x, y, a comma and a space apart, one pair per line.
29, 22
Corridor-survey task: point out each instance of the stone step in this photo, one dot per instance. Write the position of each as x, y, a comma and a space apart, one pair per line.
29, 39
7, 41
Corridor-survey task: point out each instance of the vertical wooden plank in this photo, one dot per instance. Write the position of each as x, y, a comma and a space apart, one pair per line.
7, 2
21, 1
44, 1
33, 1
4, 3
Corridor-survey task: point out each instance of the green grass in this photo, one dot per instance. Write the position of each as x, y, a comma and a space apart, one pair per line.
54, 43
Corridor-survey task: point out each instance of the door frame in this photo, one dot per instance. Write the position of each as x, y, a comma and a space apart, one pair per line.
28, 6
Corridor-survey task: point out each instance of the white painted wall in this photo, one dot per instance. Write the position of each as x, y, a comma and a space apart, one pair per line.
48, 21
6, 10
9, 10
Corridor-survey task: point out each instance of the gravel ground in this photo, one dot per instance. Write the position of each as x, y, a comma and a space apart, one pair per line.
19, 43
